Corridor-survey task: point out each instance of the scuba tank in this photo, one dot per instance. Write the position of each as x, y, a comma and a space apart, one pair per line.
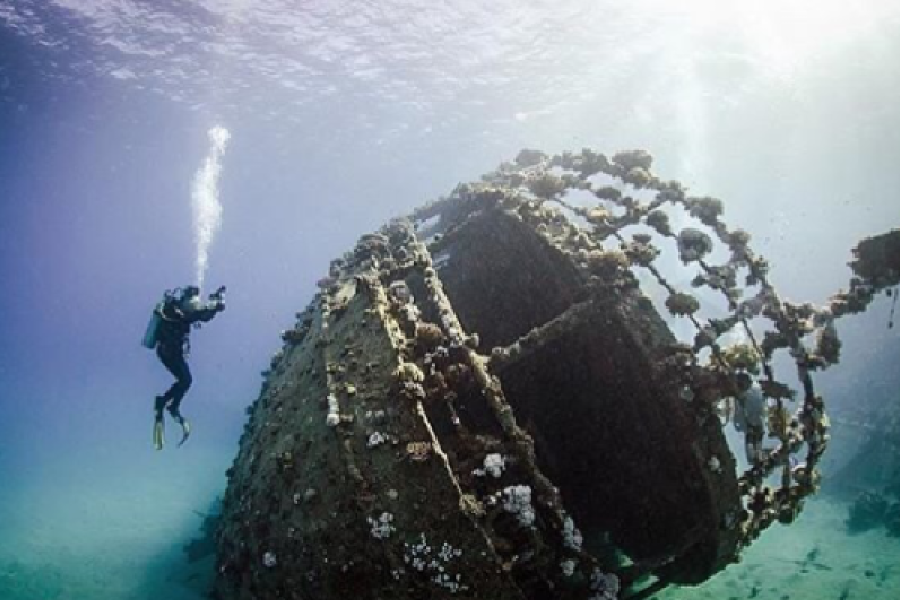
149, 340
150, 335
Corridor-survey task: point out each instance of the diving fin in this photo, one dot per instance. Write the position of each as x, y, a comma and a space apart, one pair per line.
185, 431
159, 438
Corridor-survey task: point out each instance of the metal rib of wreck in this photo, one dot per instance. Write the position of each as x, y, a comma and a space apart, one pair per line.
481, 402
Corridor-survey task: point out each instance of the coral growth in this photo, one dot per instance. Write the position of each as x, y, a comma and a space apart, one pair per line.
681, 305
632, 159
877, 259
429, 336
828, 345
530, 158
706, 210
742, 357
546, 186
693, 244
659, 221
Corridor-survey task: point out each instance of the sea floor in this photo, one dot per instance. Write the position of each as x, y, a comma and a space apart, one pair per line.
814, 559
89, 527
114, 528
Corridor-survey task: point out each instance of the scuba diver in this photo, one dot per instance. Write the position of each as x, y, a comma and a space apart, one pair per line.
749, 415
169, 333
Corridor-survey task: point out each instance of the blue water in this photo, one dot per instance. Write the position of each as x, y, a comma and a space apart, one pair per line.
343, 115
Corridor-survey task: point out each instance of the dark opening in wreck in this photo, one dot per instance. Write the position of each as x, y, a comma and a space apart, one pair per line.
619, 442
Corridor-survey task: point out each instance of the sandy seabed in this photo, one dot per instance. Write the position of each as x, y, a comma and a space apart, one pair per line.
814, 559
87, 527
85, 532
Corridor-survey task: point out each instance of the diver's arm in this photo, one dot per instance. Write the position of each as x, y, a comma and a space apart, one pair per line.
205, 312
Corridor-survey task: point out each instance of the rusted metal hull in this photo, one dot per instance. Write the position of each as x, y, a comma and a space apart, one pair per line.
367, 465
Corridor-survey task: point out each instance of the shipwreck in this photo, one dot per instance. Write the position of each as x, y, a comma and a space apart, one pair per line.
485, 401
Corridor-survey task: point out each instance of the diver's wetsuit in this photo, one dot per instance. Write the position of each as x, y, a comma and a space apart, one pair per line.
172, 337
749, 417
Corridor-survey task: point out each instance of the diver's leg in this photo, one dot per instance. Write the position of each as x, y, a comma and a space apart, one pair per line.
183, 381
173, 360
753, 444
158, 425
158, 407
182, 373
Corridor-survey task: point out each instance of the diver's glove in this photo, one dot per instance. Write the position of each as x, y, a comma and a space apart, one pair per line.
219, 298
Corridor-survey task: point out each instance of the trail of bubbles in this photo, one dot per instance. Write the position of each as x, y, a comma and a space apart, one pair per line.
205, 199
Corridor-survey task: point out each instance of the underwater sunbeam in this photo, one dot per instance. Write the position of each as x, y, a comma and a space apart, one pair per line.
205, 199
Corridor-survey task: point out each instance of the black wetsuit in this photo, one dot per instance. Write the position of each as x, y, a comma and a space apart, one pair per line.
172, 339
